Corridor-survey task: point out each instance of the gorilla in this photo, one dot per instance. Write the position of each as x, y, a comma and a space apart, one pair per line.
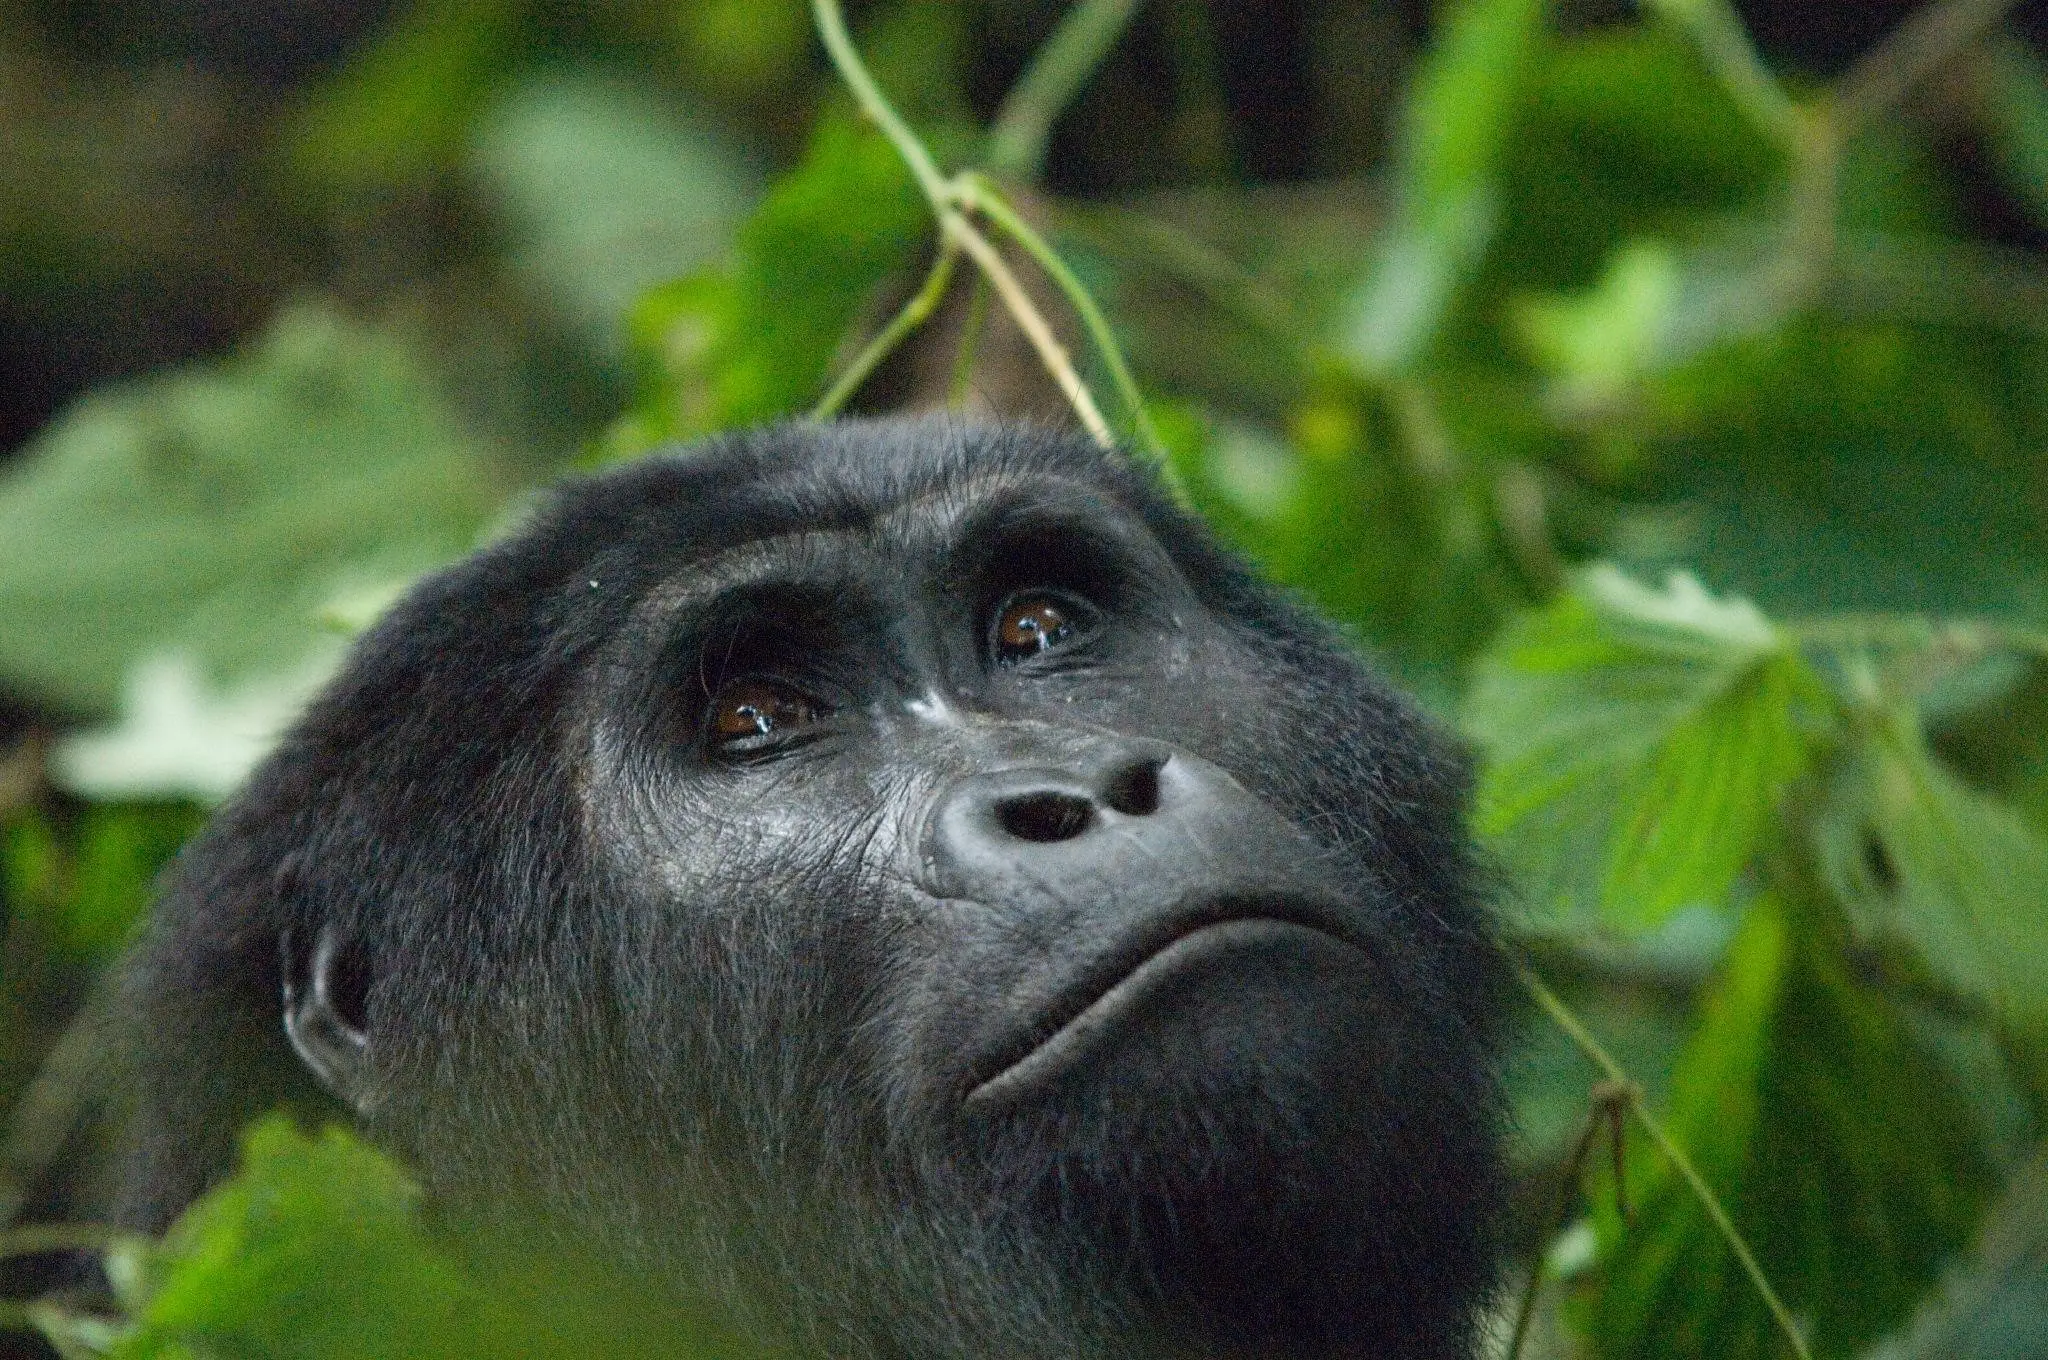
900, 881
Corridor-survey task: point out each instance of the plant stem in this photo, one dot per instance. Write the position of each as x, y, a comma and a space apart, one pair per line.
37, 1239
1616, 1073
983, 195
1016, 145
955, 230
970, 344
1716, 29
1930, 36
913, 314
839, 46
1034, 325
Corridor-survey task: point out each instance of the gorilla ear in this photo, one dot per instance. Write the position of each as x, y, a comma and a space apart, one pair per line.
325, 1013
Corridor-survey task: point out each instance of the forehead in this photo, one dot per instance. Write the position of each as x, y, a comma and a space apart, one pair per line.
932, 529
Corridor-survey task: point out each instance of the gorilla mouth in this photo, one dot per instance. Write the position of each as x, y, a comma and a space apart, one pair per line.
1108, 992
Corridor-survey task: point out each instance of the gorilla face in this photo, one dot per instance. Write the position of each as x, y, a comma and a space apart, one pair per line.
904, 883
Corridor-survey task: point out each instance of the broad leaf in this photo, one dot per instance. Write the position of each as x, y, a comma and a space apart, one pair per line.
215, 511
1637, 744
1919, 857
1843, 1151
607, 190
753, 339
317, 1249
314, 1250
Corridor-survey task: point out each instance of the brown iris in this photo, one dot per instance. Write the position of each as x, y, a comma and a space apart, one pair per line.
1030, 624
754, 707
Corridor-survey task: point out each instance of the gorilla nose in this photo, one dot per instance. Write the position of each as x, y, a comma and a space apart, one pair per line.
1050, 809
1024, 824
1122, 828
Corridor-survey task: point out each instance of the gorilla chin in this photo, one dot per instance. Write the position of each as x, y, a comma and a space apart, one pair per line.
901, 886
1225, 1121
1205, 993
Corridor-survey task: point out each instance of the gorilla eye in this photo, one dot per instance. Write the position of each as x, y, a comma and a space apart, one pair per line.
754, 707
1034, 622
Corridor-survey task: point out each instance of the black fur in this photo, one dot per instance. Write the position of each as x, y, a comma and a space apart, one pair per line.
711, 1017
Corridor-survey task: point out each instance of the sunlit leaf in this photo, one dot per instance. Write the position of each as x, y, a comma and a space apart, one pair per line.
1655, 308
175, 737
1637, 744
1840, 1147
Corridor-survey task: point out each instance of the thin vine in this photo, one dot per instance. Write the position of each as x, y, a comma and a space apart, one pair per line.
956, 200
1631, 1093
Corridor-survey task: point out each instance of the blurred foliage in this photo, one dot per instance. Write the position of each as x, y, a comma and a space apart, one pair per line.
1674, 421
318, 1248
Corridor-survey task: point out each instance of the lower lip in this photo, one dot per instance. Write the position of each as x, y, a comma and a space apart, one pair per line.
1077, 1035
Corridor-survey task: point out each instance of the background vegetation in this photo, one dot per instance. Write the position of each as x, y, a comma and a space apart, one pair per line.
1660, 390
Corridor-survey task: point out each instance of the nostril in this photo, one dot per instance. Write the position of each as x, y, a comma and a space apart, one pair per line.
1134, 790
1045, 816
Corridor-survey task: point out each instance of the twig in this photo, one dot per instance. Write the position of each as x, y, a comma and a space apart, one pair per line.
970, 343
1583, 1037
839, 45
954, 228
980, 193
1608, 1102
1932, 35
1051, 352
38, 1239
913, 314
1716, 29
1016, 144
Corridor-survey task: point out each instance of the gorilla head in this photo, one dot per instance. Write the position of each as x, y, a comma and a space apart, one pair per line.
902, 882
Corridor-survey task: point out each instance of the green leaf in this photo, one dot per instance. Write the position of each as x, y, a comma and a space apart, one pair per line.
1843, 1151
1624, 136
1861, 467
314, 1250
1655, 308
400, 109
1637, 744
1998, 1308
1454, 129
85, 887
754, 339
607, 190
1919, 857
317, 1250
214, 511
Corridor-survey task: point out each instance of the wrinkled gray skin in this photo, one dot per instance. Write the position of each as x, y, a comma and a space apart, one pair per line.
1126, 998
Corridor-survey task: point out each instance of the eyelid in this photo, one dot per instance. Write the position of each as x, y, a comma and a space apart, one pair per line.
781, 734
1083, 617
